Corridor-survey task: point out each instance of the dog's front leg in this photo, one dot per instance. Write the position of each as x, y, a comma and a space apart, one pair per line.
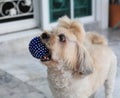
109, 83
92, 96
108, 89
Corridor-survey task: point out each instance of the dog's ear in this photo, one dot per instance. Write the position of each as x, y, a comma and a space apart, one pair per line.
74, 26
64, 22
84, 65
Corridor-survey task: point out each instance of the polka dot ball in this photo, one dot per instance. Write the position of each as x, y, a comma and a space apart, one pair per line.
37, 48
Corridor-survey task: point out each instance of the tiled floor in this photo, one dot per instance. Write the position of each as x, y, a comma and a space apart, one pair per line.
11, 87
22, 76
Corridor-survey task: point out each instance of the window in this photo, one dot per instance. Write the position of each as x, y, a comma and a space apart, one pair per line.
15, 10
82, 8
59, 8
16, 15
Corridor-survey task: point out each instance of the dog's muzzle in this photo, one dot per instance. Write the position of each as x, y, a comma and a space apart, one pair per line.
45, 37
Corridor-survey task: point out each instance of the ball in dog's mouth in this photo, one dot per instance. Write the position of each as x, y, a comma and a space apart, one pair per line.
47, 56
39, 50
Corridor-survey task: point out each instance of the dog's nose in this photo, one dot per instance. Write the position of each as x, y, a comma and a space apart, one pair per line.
45, 36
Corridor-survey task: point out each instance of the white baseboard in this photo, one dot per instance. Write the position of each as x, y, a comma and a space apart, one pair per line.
20, 34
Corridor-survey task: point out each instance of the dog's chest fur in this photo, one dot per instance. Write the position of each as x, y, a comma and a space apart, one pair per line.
64, 85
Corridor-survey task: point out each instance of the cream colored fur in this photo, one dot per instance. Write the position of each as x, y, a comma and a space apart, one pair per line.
82, 64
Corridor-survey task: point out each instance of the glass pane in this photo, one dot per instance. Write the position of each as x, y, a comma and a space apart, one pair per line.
12, 10
59, 8
82, 8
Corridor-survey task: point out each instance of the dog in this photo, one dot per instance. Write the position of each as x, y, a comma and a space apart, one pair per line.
78, 63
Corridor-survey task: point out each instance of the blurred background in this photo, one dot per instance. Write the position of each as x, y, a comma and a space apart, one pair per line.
21, 75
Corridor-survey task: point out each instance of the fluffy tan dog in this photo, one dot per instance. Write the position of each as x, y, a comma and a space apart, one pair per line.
78, 63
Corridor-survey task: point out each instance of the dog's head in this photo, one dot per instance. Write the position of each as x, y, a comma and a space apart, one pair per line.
65, 43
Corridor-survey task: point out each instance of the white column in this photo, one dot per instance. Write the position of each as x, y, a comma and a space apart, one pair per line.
45, 13
104, 14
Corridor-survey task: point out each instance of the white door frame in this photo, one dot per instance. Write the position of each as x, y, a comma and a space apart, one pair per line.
45, 15
99, 13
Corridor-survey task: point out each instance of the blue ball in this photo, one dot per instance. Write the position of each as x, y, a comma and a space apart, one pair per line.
37, 48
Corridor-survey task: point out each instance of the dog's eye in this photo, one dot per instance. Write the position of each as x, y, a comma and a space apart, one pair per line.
62, 38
